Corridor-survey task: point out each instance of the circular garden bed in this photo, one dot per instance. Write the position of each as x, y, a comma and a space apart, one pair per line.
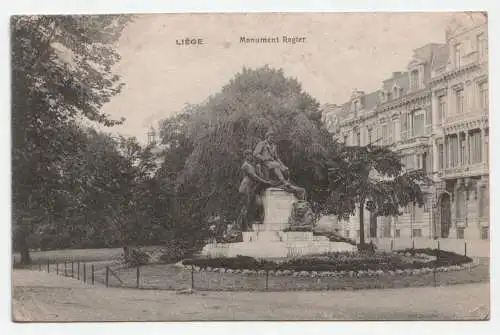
402, 262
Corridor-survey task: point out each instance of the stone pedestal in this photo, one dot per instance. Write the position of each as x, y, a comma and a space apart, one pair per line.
278, 206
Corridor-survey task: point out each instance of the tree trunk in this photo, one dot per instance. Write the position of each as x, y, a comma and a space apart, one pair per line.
25, 255
362, 223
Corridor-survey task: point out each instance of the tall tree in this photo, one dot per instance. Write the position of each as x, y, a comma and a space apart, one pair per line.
61, 72
218, 131
372, 177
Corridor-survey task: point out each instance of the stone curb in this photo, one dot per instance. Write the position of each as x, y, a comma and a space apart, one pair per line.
339, 274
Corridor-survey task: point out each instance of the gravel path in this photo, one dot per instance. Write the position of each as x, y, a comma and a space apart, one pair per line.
38, 296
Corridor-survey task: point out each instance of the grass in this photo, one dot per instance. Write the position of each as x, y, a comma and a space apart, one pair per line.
171, 277
81, 255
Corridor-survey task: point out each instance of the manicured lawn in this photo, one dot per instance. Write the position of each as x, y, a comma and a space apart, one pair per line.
81, 255
171, 277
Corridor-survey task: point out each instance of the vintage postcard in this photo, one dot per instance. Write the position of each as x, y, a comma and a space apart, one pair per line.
250, 166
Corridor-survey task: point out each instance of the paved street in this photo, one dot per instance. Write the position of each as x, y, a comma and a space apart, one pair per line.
39, 296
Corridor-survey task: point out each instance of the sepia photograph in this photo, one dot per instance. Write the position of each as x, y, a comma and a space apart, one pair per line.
250, 167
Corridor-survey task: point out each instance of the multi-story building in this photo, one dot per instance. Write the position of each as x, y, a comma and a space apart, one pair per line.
436, 115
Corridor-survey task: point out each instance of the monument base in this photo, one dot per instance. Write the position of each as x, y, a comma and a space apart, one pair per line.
275, 249
271, 238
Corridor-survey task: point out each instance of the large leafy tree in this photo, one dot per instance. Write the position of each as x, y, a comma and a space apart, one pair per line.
372, 177
61, 73
209, 139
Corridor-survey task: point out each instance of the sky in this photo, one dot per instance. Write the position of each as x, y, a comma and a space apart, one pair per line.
341, 52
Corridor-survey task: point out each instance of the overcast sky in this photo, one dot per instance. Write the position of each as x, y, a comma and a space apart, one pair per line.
341, 52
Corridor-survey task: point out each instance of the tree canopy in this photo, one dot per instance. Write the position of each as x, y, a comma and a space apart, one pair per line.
61, 70
215, 134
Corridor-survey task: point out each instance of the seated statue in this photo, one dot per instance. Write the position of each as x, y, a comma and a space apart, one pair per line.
251, 187
267, 156
270, 166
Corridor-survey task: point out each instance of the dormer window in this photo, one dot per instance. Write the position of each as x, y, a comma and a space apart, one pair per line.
414, 79
396, 92
356, 106
457, 52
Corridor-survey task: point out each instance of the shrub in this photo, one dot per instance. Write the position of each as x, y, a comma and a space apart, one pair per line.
297, 229
333, 262
443, 257
138, 257
335, 237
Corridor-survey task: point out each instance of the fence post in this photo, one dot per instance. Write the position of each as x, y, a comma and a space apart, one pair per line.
40, 266
65, 270
392, 245
138, 274
436, 263
84, 272
192, 277
92, 268
413, 244
107, 275
465, 247
57, 268
267, 280
72, 269
78, 268
48, 266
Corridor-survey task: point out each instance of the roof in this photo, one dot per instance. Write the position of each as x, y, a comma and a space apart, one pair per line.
401, 79
440, 57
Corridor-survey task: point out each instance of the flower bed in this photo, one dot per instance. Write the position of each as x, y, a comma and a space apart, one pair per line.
406, 262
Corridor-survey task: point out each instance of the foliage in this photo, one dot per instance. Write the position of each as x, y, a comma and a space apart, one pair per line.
61, 74
206, 141
138, 257
445, 258
375, 176
334, 237
333, 262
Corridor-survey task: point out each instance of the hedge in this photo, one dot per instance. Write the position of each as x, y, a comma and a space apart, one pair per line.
336, 262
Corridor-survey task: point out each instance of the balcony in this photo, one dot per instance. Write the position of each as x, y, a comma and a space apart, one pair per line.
470, 170
477, 114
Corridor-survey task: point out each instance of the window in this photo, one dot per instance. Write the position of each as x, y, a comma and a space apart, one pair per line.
482, 46
397, 233
417, 232
418, 124
424, 162
484, 99
440, 156
460, 100
395, 92
475, 145
441, 108
453, 150
356, 106
395, 135
358, 137
347, 233
485, 233
460, 204
460, 233
385, 133
345, 139
484, 202
463, 157
404, 126
369, 135
427, 204
358, 233
457, 55
414, 80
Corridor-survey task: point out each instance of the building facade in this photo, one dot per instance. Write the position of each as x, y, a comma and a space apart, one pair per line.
435, 113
